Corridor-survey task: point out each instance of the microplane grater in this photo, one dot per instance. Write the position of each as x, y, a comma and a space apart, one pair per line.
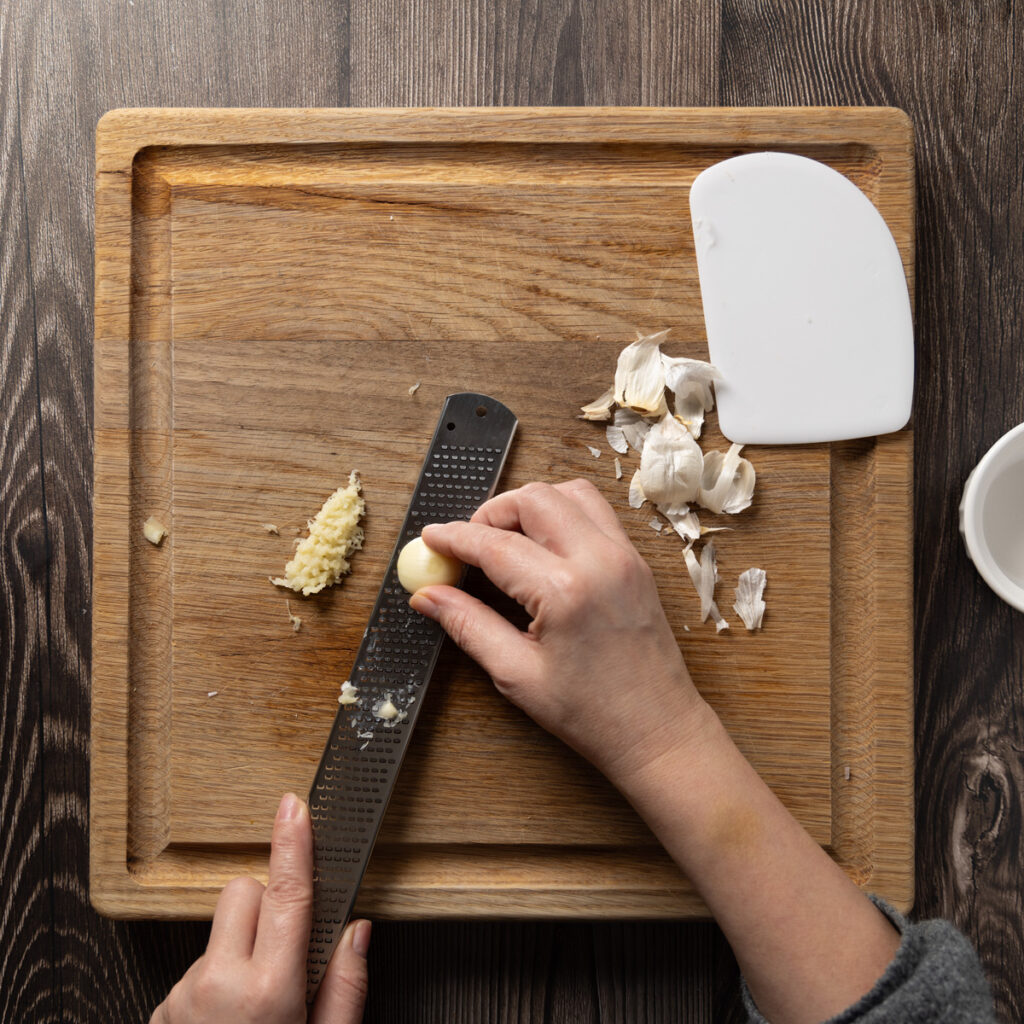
395, 660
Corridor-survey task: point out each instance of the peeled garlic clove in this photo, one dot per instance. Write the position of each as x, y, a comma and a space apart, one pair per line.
670, 466
690, 382
601, 408
727, 481
640, 377
750, 604
418, 566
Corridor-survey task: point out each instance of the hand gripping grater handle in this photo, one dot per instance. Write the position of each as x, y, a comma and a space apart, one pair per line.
395, 660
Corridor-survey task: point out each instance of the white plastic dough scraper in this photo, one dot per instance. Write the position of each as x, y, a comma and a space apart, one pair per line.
805, 303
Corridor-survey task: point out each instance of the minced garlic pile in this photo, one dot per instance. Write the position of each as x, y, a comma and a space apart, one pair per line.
674, 472
321, 559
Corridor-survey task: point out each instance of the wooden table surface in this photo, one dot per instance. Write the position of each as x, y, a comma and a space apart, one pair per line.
63, 64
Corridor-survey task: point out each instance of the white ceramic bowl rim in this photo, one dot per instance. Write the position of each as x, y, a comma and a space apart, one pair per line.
975, 491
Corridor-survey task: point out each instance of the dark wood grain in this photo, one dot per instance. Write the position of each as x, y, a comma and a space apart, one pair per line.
958, 74
62, 65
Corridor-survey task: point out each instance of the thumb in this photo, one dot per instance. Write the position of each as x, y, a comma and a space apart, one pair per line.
488, 638
342, 995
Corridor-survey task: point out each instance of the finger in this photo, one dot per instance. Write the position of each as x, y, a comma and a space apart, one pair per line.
286, 914
342, 994
161, 1015
596, 508
513, 563
234, 921
542, 513
490, 640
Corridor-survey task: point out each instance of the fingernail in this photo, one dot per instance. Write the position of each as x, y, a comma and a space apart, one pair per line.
424, 604
290, 808
361, 937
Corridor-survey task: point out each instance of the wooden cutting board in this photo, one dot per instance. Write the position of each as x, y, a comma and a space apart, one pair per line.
270, 284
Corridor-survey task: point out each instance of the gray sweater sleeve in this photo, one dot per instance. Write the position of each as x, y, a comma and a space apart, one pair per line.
935, 976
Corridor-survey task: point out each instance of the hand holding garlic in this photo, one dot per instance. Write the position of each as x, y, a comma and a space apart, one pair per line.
599, 666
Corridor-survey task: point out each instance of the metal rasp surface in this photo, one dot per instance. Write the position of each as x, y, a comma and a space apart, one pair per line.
394, 663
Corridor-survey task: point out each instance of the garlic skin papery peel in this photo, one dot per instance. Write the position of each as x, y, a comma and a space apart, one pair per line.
628, 429
690, 382
670, 466
704, 574
640, 376
636, 491
727, 481
674, 472
750, 604
601, 409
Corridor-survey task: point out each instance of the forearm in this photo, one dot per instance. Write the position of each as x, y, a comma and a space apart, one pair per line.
807, 940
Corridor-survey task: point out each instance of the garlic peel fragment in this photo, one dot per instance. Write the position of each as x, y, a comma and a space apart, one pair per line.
704, 574
750, 604
628, 429
600, 408
690, 382
686, 524
640, 376
727, 481
636, 491
670, 466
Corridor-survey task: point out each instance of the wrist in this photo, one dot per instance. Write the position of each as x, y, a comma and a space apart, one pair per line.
681, 730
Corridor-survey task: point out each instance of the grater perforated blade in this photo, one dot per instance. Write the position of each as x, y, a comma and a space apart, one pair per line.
395, 660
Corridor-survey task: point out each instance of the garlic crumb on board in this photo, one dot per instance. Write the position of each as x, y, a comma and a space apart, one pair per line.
596, 452
415, 388
618, 469
294, 619
272, 528
846, 772
212, 693
154, 531
321, 558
